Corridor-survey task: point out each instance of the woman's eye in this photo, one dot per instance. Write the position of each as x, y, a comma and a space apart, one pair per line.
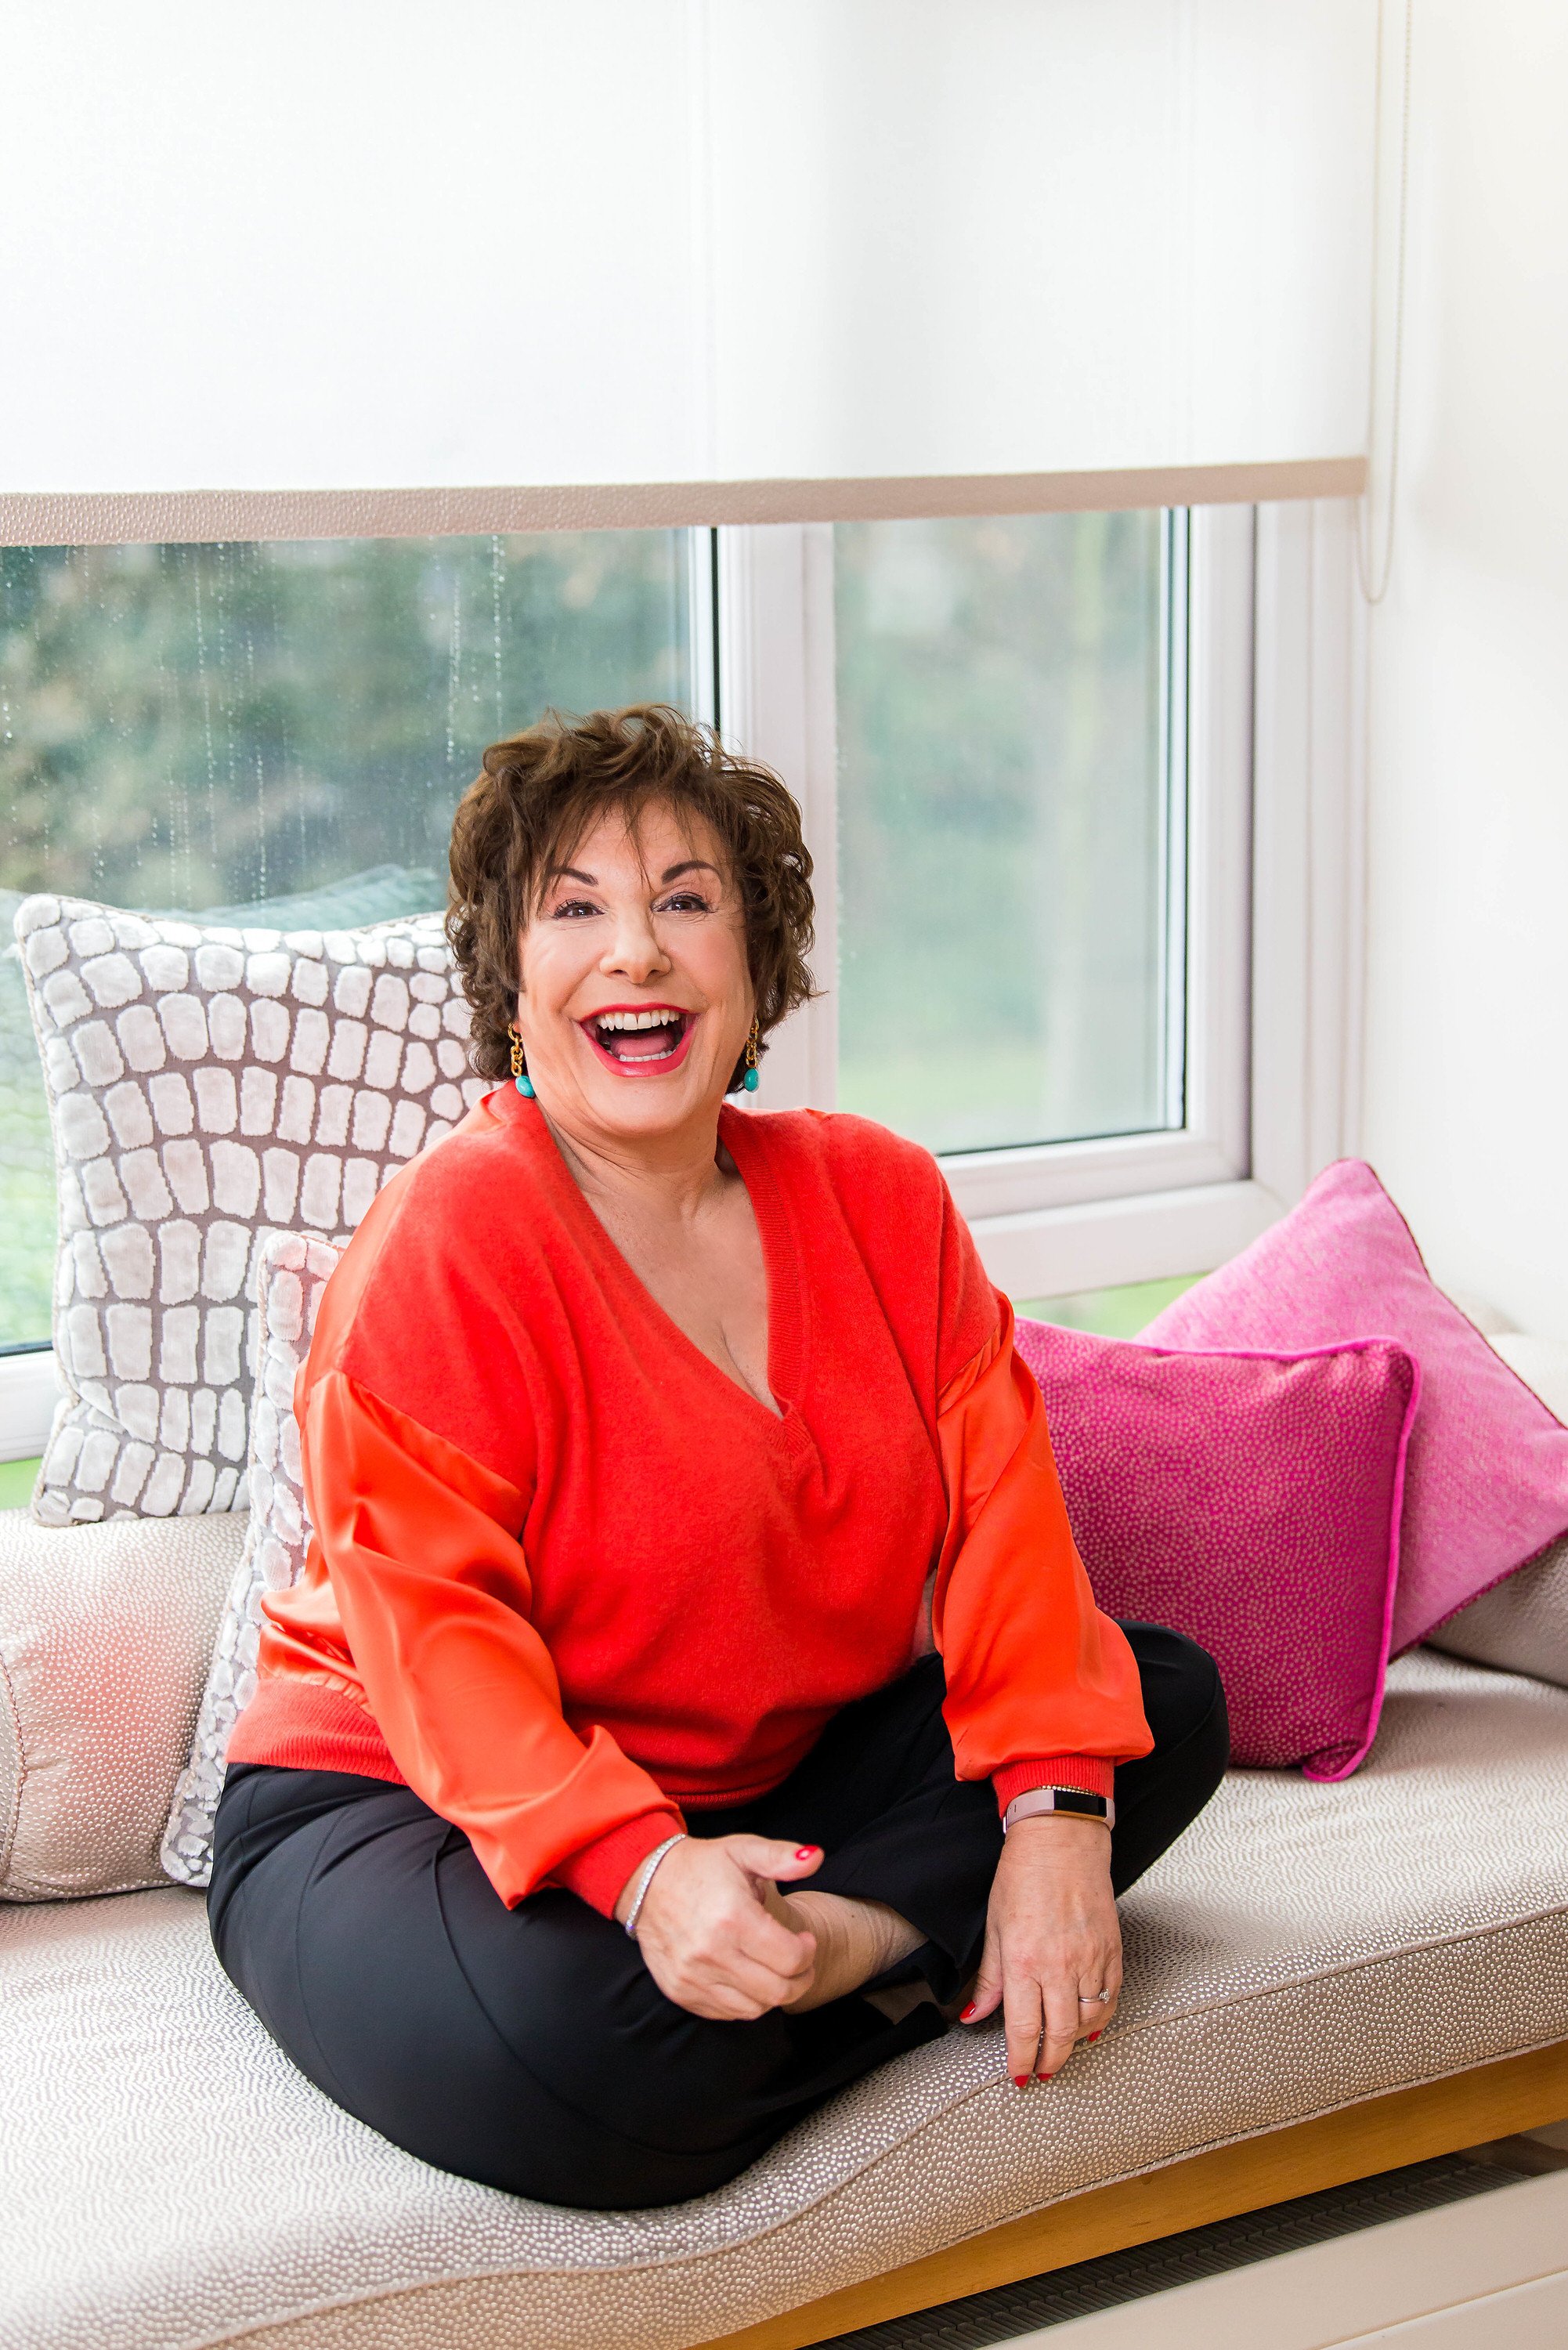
686, 901
570, 907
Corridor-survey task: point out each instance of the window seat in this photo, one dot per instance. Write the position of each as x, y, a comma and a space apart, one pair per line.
1303, 1951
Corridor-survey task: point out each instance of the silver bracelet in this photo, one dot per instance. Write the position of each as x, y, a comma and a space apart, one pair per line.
646, 1879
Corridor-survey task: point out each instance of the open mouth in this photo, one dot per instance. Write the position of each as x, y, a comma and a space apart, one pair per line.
645, 1042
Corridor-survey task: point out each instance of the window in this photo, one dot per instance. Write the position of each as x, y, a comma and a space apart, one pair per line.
1024, 748
1012, 807
1022, 744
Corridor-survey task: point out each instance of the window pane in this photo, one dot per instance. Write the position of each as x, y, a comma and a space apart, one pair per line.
284, 729
1004, 810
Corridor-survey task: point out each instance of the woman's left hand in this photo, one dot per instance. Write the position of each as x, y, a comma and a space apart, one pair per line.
1052, 1940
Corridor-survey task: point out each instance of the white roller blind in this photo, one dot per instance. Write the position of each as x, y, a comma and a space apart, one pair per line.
326, 245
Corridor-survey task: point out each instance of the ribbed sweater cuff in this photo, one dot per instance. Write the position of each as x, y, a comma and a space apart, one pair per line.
596, 1874
302, 1725
1090, 1774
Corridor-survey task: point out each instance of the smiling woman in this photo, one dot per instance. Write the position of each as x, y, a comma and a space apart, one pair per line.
657, 909
701, 1571
688, 844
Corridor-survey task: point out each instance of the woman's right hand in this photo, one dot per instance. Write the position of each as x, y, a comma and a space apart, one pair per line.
706, 1935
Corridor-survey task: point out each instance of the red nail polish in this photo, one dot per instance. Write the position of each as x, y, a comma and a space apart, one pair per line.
1043, 2077
967, 2012
1093, 2036
809, 1852
1021, 2080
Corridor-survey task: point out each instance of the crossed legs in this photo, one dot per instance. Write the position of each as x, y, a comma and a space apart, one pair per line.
530, 2048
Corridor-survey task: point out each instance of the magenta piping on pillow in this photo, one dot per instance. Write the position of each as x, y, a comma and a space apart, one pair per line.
1308, 1354
1481, 1333
1375, 1710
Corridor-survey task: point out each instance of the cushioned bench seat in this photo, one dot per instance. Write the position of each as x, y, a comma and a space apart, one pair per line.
169, 2179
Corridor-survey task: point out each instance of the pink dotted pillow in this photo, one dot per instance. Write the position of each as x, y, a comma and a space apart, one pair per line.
1488, 1484
1251, 1501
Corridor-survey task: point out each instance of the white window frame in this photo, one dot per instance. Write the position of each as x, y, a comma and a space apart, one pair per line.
1275, 859
29, 1389
1271, 952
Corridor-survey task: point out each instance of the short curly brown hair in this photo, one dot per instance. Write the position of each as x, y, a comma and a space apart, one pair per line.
538, 794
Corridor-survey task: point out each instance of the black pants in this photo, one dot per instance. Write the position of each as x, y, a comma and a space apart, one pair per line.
530, 2049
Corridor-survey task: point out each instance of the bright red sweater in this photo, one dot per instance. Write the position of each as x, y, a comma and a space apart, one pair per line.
569, 1581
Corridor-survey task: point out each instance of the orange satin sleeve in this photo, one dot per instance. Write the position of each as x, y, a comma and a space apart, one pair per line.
1042, 1689
420, 1545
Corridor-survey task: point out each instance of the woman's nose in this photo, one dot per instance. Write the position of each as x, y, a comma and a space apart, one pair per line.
635, 949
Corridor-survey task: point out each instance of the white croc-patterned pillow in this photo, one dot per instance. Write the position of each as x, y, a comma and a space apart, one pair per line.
208, 1085
294, 1269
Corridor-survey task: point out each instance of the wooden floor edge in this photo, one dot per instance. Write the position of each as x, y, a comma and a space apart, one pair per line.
1489, 2101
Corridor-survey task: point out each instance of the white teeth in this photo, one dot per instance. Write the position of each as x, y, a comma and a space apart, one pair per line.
636, 1019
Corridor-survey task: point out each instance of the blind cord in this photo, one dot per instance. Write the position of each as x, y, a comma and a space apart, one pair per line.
1364, 525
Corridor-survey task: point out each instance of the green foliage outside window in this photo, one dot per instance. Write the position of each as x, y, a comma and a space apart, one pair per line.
1002, 826
200, 726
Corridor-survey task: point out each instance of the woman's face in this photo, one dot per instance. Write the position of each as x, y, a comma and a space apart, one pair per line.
635, 999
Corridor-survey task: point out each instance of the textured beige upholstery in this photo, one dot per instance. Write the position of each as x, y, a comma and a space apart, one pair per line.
168, 2178
1522, 1624
106, 1634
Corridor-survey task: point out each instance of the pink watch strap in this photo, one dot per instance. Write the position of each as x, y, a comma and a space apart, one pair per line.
1072, 1800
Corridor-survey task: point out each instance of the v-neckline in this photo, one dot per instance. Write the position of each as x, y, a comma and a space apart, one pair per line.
781, 1269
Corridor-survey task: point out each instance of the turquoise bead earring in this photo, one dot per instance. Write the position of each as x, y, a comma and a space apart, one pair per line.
524, 1082
750, 1079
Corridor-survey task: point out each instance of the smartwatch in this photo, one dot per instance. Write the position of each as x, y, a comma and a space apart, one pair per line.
1058, 1799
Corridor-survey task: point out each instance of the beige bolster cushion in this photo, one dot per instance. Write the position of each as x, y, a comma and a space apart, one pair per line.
1521, 1623
106, 1634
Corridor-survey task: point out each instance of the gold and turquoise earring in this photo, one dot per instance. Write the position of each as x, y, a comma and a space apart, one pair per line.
524, 1082
750, 1079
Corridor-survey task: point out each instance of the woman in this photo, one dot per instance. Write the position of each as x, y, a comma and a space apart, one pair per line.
688, 1560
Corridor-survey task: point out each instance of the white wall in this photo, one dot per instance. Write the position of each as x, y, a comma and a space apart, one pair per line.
1465, 1107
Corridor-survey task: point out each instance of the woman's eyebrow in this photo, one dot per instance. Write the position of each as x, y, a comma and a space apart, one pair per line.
671, 872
